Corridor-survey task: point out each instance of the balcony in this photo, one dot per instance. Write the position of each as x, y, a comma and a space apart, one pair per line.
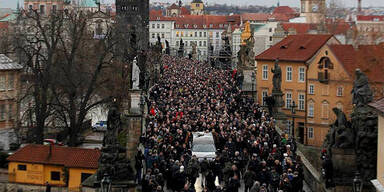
323, 77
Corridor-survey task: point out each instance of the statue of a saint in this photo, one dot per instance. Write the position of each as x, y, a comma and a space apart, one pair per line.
361, 92
276, 76
135, 74
167, 49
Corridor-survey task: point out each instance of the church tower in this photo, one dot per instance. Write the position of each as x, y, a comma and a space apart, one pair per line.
313, 11
197, 7
134, 16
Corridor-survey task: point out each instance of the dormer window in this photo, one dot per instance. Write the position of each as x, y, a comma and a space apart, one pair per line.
204, 26
210, 25
158, 18
221, 25
177, 25
195, 26
186, 25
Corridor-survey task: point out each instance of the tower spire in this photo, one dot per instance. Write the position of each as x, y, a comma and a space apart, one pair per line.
278, 3
18, 6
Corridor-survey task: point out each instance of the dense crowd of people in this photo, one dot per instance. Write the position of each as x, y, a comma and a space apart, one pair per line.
192, 96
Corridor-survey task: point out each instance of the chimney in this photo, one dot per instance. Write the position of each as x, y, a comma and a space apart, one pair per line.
359, 6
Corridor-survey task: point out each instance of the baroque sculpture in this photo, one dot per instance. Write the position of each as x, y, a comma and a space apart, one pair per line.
361, 92
113, 160
180, 52
276, 77
167, 48
135, 74
364, 122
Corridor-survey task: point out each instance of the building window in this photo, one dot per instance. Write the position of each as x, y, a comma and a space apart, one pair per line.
153, 26
177, 34
289, 74
311, 89
264, 97
288, 100
325, 90
301, 101
310, 132
204, 43
21, 167
311, 109
217, 34
182, 34
54, 8
265, 72
195, 33
162, 35
270, 29
177, 43
153, 35
10, 111
162, 26
2, 112
200, 44
325, 110
301, 74
270, 38
158, 26
205, 34
55, 176
186, 43
84, 176
339, 91
201, 34
42, 9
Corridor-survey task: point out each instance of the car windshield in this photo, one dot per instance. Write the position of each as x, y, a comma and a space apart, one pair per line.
204, 148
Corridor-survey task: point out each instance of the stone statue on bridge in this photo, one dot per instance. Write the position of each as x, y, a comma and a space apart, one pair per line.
276, 80
135, 74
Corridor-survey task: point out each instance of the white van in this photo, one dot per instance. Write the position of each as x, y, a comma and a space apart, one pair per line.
203, 146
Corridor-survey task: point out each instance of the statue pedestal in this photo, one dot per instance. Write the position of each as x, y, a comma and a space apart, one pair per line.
344, 168
134, 107
279, 102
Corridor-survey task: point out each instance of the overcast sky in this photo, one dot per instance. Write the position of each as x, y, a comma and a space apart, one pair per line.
293, 3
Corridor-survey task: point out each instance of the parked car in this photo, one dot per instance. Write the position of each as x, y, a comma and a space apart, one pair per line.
100, 126
203, 146
52, 142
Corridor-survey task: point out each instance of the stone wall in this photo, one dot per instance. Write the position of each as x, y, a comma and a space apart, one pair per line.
13, 187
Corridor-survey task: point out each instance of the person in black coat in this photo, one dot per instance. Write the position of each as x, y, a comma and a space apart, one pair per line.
234, 184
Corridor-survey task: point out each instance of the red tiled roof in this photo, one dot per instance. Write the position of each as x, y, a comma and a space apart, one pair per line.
173, 6
338, 28
299, 48
284, 10
369, 58
185, 11
370, 17
255, 16
263, 17
300, 28
155, 13
64, 156
4, 25
378, 105
206, 21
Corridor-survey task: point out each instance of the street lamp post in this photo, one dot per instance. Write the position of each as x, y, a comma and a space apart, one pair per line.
293, 110
357, 183
106, 183
253, 76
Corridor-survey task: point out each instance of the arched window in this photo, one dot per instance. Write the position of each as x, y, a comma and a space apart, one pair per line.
325, 110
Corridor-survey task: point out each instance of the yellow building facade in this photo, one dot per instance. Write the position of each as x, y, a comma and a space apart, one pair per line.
379, 181
56, 166
295, 55
197, 7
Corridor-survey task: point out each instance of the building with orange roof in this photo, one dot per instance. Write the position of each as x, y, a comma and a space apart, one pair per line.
295, 54
369, 29
53, 165
379, 181
204, 30
318, 74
